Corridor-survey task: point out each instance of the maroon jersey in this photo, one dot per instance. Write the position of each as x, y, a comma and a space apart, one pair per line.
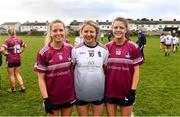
120, 68
13, 46
56, 64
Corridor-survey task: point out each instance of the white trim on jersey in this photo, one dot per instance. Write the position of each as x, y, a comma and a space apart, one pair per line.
39, 67
58, 66
5, 46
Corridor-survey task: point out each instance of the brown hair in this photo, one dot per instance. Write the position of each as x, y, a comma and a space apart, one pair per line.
125, 23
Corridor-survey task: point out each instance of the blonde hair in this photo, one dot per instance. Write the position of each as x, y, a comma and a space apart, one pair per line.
121, 19
169, 32
48, 34
11, 31
91, 23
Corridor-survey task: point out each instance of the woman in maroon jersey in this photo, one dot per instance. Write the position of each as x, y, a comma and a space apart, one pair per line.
12, 48
122, 74
55, 76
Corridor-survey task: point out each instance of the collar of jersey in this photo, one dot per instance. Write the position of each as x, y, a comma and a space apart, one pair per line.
91, 46
54, 48
122, 44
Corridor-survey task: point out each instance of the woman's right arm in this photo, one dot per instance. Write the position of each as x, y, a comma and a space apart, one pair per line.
42, 85
4, 51
1, 49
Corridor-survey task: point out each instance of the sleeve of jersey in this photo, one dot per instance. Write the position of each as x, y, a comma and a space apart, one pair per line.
40, 65
138, 59
73, 54
5, 44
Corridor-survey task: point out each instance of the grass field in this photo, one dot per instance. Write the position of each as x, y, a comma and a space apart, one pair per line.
158, 91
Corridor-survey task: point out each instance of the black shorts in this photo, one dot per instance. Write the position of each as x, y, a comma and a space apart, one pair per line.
97, 102
120, 102
10, 65
64, 105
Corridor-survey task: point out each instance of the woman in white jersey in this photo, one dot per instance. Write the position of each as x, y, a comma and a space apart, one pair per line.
89, 58
168, 43
162, 39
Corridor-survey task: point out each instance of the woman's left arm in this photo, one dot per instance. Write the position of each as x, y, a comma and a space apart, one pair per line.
135, 79
23, 47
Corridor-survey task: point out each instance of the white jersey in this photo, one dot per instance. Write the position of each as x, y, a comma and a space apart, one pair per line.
89, 73
168, 40
78, 40
162, 38
175, 40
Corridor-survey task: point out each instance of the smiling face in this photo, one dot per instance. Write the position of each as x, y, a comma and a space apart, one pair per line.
119, 30
57, 32
89, 34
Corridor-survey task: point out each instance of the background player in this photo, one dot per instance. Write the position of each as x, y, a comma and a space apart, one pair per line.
141, 42
168, 43
162, 39
12, 48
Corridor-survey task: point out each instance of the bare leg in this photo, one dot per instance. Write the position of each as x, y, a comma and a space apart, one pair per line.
97, 109
83, 110
111, 109
11, 77
56, 113
126, 110
19, 78
66, 111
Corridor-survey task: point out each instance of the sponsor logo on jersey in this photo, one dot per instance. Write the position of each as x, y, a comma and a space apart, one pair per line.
73, 101
60, 57
91, 63
82, 52
118, 52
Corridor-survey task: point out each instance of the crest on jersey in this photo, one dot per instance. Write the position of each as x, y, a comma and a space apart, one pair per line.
127, 55
99, 54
